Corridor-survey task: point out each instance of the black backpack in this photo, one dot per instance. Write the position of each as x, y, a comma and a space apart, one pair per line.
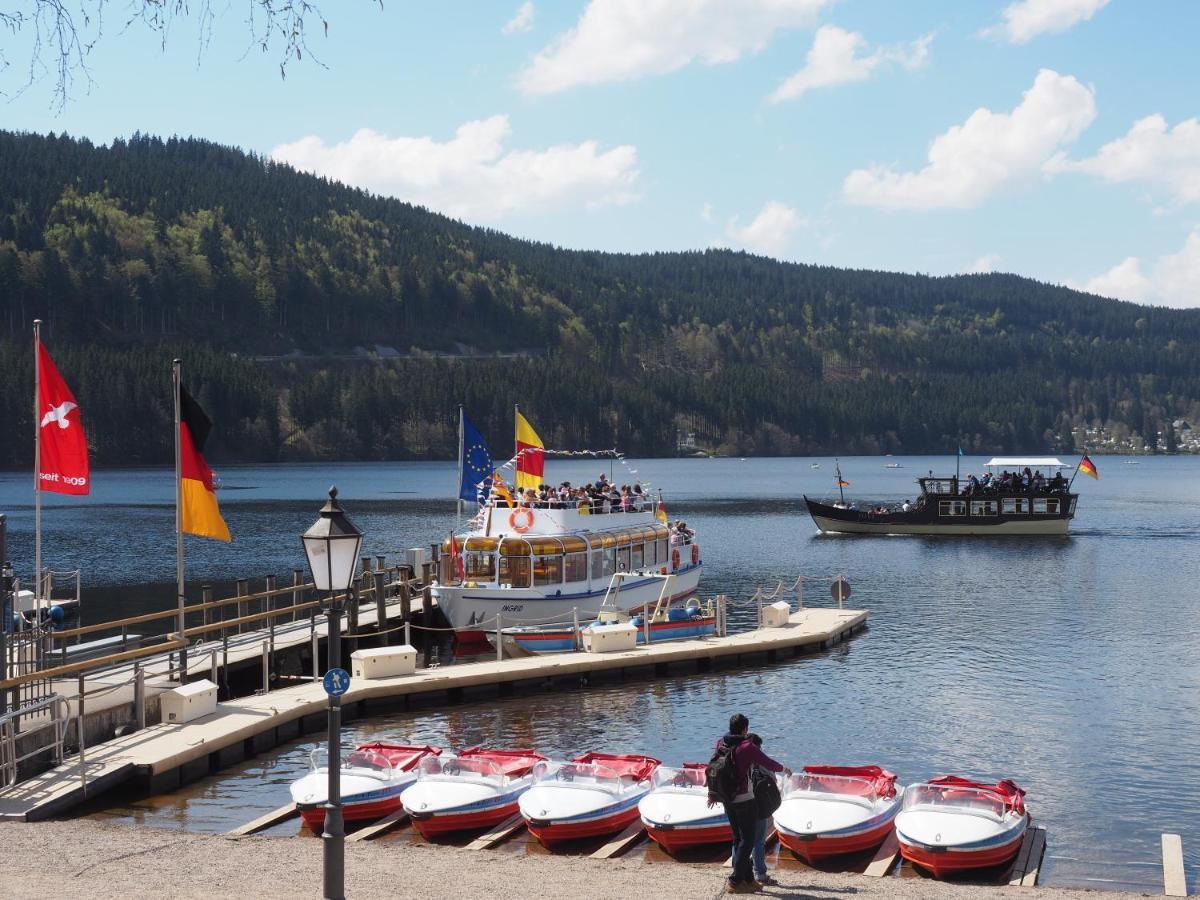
766, 792
721, 775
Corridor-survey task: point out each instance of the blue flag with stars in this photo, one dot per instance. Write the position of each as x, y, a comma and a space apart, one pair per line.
476, 462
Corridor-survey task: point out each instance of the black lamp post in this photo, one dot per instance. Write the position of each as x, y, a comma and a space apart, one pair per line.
332, 544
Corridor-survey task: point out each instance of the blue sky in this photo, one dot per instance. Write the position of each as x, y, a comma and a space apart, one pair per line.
1054, 138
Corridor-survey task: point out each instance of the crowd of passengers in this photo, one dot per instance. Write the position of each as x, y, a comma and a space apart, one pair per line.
600, 496
1025, 482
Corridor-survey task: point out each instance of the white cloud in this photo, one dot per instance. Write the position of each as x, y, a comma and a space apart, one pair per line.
522, 21
706, 212
1026, 19
972, 161
472, 175
770, 231
1148, 152
985, 263
1172, 280
838, 56
619, 40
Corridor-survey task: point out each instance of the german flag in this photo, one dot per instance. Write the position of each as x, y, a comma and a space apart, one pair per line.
1087, 467
198, 510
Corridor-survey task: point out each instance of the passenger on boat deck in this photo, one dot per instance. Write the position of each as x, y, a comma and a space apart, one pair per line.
638, 499
905, 507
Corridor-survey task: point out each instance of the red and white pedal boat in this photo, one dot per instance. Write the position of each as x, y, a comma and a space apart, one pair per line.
950, 824
590, 796
373, 777
676, 811
830, 810
473, 789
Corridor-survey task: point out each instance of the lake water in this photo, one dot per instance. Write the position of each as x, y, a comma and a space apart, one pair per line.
1071, 665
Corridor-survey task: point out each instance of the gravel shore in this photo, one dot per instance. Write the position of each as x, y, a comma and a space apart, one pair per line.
94, 860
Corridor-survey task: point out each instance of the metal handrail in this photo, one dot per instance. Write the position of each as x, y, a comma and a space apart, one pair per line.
10, 760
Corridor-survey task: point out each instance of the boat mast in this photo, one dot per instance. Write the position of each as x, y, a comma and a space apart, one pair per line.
841, 493
460, 465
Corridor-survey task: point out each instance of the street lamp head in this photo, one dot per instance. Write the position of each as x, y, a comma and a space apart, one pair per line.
332, 544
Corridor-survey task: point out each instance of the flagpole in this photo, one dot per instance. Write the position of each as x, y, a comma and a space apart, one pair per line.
1076, 472
180, 624
841, 493
460, 462
37, 467
957, 461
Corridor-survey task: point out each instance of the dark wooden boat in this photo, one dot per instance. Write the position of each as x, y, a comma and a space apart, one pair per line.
952, 505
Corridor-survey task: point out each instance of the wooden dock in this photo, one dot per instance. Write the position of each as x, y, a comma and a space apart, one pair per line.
170, 755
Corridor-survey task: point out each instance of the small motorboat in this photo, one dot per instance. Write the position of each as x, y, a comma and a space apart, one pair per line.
830, 810
373, 777
676, 811
476, 788
660, 622
950, 824
590, 796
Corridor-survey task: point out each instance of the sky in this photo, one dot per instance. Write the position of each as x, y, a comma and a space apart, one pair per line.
1057, 139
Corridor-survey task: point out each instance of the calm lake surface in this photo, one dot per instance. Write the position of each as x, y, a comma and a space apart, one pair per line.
1071, 665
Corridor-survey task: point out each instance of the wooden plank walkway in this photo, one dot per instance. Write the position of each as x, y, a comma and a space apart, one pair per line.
499, 834
161, 749
265, 821
1174, 878
884, 859
626, 840
388, 822
1028, 862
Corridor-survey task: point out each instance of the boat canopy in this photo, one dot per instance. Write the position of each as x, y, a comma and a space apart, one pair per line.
1020, 462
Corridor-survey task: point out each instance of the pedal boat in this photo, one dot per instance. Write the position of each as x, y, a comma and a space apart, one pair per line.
831, 810
473, 789
592, 795
676, 811
373, 777
951, 825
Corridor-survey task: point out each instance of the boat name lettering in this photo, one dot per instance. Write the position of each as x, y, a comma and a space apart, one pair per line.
512, 607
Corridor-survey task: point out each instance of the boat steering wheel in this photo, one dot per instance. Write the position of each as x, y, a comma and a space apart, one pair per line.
680, 780
566, 773
451, 768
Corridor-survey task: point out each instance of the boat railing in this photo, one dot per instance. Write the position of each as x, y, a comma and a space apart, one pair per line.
681, 779
956, 799
443, 768
577, 774
355, 759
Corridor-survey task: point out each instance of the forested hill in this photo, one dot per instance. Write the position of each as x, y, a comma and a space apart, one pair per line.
317, 321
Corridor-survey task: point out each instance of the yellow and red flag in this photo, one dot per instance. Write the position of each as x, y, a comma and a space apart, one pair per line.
531, 460
842, 482
1087, 467
198, 510
661, 512
501, 491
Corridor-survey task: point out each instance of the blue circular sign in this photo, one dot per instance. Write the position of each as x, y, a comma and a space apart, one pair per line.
337, 682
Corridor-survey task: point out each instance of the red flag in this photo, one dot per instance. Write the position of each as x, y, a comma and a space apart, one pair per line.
64, 463
456, 552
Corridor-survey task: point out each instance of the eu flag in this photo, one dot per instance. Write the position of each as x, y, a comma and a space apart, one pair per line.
476, 462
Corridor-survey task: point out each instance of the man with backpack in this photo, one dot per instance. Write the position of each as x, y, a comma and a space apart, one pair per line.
728, 781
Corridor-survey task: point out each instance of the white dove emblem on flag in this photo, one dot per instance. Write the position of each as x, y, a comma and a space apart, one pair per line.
59, 414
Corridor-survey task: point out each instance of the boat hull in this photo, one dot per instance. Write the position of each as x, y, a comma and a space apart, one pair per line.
565, 640
797, 833
465, 607
953, 858
674, 838
835, 520
314, 816
363, 797
550, 831
678, 820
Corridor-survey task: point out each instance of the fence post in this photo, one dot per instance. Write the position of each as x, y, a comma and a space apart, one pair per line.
758, 595
213, 669
266, 667
205, 599
575, 619
499, 639
646, 622
800, 593
139, 694
405, 596
408, 632
380, 562
243, 588
225, 662
426, 573
316, 647
381, 621
82, 741
269, 600
297, 593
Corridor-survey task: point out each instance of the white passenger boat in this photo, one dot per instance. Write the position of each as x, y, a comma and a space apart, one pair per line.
535, 565
950, 825
676, 811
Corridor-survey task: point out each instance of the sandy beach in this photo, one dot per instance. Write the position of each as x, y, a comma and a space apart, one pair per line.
86, 859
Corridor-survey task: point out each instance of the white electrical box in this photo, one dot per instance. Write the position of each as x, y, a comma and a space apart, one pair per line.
188, 702
610, 638
776, 615
415, 557
384, 662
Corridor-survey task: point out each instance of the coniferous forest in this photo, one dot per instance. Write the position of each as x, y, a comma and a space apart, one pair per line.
318, 321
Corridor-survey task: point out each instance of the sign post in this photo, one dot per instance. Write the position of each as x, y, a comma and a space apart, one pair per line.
336, 682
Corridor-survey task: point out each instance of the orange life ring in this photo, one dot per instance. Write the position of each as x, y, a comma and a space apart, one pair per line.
526, 515
675, 558
695, 553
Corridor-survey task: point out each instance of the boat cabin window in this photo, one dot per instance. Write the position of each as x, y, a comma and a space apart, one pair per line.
952, 508
447, 569
1072, 506
479, 566
623, 559
577, 567
1014, 506
984, 507
547, 570
1045, 506
514, 571
637, 556
938, 486
663, 550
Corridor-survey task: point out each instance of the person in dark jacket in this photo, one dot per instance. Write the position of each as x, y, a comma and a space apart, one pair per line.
742, 812
758, 855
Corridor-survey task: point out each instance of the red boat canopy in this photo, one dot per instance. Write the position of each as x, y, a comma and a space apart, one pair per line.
639, 768
1006, 791
511, 762
401, 756
882, 782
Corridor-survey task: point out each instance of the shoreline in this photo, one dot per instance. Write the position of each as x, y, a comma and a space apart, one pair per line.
92, 860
